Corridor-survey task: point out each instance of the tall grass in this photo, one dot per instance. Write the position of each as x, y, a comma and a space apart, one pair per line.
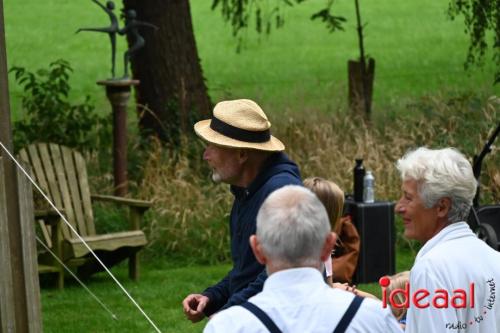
190, 214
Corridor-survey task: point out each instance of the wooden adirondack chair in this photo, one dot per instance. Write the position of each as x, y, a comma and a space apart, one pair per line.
61, 173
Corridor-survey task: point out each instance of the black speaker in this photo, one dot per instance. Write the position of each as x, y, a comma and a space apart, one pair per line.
375, 224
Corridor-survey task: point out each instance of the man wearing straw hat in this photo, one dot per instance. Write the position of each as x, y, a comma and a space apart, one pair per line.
242, 153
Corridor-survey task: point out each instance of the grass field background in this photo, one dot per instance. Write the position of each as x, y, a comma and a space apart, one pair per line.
417, 48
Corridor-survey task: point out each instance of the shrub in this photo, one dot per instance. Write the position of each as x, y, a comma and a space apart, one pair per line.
49, 116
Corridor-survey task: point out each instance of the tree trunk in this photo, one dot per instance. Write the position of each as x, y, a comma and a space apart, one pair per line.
172, 93
360, 89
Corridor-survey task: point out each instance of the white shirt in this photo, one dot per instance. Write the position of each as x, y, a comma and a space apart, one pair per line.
451, 260
298, 300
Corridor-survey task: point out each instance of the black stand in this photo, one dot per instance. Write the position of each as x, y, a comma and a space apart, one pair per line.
375, 224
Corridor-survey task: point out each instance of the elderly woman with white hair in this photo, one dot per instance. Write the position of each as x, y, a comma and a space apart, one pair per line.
453, 280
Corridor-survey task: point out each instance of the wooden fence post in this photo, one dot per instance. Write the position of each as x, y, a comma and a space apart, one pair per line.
7, 315
19, 289
30, 262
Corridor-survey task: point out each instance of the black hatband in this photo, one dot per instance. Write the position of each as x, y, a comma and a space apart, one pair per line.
237, 133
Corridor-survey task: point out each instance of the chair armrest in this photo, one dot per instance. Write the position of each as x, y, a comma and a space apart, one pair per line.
124, 201
137, 207
50, 216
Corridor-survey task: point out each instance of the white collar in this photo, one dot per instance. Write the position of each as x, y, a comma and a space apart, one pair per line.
451, 231
292, 276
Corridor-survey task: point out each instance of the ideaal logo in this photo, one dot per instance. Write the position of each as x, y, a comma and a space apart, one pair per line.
439, 299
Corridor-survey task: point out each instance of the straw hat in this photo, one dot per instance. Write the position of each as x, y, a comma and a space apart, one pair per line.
239, 124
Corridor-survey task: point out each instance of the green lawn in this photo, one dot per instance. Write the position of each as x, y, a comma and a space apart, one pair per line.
160, 292
302, 66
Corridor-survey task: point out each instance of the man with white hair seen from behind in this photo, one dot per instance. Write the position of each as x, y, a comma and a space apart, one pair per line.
293, 239
458, 271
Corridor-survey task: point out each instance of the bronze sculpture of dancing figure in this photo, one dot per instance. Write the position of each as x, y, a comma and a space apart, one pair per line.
136, 41
111, 30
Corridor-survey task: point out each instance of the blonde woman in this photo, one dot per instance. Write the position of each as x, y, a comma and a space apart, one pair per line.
332, 197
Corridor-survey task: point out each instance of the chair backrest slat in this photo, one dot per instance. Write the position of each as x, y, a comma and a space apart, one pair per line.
36, 167
25, 158
56, 157
81, 172
50, 175
74, 190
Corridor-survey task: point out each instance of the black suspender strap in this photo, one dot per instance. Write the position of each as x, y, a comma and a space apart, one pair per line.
262, 316
341, 326
348, 315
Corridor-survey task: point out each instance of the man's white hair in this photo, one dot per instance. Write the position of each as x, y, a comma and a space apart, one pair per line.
292, 226
441, 173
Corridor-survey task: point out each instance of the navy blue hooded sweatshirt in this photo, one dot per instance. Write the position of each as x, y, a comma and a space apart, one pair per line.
247, 276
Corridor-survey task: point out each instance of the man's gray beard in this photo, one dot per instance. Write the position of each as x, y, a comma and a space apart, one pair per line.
216, 177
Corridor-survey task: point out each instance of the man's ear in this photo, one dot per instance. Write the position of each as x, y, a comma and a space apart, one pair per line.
243, 155
443, 207
257, 250
330, 241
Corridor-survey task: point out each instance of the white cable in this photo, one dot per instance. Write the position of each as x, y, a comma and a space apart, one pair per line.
76, 278
81, 239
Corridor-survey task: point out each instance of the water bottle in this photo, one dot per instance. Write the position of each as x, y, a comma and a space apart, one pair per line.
359, 174
369, 187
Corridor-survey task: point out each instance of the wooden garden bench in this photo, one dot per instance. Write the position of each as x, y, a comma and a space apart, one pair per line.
61, 173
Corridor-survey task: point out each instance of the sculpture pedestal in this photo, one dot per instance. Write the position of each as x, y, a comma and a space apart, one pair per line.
118, 93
